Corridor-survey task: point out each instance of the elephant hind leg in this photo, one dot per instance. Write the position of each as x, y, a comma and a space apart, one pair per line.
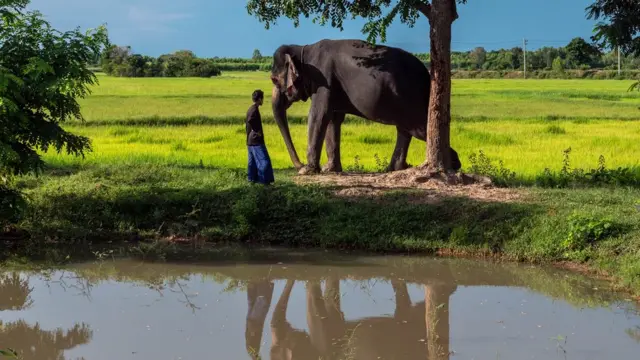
399, 157
332, 142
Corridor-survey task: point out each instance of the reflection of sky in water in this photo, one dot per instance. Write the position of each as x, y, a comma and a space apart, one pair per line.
133, 322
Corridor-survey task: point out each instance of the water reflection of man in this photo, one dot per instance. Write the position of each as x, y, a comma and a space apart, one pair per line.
259, 294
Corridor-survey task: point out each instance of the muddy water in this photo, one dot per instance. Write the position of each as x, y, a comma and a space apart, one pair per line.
314, 308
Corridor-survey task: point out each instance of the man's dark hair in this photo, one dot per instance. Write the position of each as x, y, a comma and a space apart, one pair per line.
257, 95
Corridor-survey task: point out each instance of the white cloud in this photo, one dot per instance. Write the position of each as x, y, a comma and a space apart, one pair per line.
150, 20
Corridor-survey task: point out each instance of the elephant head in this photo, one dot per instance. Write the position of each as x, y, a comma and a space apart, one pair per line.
287, 89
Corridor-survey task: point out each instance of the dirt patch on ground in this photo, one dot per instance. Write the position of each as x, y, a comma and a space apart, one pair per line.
429, 190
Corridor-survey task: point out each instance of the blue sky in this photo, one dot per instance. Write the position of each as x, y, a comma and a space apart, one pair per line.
224, 28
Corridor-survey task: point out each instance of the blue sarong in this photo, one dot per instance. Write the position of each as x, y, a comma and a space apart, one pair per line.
260, 169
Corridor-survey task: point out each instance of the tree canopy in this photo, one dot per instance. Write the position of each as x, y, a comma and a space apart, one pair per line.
379, 13
42, 72
619, 26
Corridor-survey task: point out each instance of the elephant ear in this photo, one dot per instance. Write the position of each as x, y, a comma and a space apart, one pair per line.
292, 74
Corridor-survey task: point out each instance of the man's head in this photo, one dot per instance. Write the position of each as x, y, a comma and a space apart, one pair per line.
257, 97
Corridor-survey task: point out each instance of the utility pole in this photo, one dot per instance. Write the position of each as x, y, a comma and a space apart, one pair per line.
619, 60
524, 42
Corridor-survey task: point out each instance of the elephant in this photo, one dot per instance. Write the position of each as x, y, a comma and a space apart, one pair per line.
331, 336
380, 83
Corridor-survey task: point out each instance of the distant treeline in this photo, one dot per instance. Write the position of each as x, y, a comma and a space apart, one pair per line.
578, 59
119, 61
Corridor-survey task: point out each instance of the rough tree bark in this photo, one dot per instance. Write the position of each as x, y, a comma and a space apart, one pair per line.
441, 15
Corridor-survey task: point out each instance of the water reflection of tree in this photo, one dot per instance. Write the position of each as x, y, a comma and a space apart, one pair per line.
15, 293
30, 341
634, 333
33, 343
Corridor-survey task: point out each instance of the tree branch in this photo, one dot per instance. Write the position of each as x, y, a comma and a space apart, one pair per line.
425, 9
454, 9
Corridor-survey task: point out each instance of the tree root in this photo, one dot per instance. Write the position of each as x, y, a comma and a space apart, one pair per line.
427, 173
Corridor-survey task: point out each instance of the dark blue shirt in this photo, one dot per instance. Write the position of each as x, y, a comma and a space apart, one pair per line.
253, 124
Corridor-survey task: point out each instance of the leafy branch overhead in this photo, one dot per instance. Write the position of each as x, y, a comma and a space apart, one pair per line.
619, 26
379, 13
42, 73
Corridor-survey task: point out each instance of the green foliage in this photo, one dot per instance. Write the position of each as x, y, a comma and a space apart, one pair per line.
478, 57
585, 230
600, 176
565, 178
356, 167
11, 204
378, 13
578, 55
620, 25
482, 165
558, 65
579, 52
381, 164
119, 61
257, 56
42, 72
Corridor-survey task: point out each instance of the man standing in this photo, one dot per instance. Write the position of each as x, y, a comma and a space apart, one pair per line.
260, 169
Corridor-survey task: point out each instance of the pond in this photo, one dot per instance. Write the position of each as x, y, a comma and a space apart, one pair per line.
299, 306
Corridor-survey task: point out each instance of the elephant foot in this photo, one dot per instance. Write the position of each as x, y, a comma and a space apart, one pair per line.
397, 166
308, 170
332, 168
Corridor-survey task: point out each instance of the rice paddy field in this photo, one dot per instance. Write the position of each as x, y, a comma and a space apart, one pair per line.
525, 123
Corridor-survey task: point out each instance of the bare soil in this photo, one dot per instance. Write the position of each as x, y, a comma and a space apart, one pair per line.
425, 189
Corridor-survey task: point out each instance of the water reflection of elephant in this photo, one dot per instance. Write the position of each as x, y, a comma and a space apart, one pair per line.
415, 331
30, 341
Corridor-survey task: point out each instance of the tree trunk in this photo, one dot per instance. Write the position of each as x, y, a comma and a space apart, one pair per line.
441, 15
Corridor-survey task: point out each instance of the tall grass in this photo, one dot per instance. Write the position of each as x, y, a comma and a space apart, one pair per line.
525, 147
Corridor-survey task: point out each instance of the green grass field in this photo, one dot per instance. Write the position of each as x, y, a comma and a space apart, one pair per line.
145, 177
527, 124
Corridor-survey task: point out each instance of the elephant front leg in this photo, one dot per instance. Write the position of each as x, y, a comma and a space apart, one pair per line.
399, 157
332, 142
319, 118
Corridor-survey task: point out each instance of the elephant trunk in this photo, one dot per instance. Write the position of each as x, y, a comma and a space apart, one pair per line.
280, 104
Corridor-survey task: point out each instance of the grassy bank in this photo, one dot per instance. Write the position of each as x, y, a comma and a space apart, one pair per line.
169, 161
112, 203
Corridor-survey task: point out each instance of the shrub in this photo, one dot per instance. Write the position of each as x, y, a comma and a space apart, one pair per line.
481, 165
586, 230
592, 177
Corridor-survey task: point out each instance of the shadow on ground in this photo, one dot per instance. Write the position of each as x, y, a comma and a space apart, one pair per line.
102, 204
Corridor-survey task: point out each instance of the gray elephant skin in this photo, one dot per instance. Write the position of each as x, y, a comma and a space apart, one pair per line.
380, 83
